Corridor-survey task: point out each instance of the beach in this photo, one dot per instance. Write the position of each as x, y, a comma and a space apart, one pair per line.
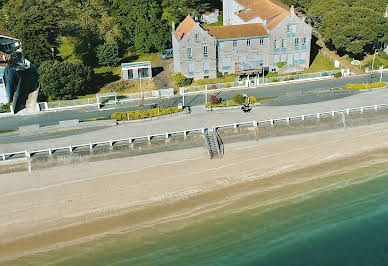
53, 208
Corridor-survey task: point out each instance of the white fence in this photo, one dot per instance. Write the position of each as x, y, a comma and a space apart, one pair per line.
255, 82
167, 135
79, 103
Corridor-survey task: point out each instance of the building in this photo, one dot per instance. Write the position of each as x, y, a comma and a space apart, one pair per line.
210, 17
137, 70
257, 36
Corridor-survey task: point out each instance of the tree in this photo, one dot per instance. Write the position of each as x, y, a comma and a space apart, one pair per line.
37, 24
108, 54
142, 24
353, 30
63, 80
238, 98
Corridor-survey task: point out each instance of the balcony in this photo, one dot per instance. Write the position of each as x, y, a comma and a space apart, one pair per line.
296, 48
284, 50
276, 50
304, 47
226, 68
251, 66
206, 71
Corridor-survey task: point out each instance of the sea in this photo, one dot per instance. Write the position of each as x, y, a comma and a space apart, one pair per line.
343, 222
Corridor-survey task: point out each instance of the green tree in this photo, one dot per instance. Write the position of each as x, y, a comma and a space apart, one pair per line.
353, 30
63, 80
142, 24
238, 98
108, 54
37, 24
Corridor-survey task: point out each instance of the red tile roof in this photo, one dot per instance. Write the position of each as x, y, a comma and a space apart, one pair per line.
270, 10
184, 28
238, 31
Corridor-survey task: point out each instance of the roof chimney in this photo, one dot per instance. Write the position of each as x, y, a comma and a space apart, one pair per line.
292, 10
173, 26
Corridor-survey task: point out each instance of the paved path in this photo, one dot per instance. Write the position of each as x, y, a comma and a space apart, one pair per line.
141, 128
46, 119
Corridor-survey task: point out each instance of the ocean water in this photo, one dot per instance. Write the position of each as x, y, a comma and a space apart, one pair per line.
342, 224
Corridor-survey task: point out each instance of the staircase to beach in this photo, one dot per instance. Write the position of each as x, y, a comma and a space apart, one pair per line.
213, 144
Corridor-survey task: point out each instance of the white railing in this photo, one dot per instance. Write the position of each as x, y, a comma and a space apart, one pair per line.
256, 82
167, 135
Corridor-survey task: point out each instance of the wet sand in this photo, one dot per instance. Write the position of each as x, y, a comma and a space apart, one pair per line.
62, 206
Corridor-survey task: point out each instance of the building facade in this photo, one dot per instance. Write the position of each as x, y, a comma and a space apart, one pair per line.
257, 36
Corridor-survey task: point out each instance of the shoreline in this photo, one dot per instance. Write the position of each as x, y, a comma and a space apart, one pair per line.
250, 167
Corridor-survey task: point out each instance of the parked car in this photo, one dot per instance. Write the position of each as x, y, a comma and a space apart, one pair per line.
167, 54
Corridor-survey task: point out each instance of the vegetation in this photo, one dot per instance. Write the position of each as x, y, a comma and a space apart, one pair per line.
108, 54
249, 100
181, 81
238, 98
364, 86
5, 108
138, 114
64, 80
350, 26
219, 79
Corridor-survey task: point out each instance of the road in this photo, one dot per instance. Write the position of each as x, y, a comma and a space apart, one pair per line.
286, 94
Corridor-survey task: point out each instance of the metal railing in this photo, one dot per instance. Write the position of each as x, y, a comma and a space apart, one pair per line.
167, 135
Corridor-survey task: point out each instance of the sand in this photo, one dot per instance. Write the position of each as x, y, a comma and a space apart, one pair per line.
61, 206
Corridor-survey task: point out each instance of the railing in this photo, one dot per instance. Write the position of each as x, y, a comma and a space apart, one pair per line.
110, 143
148, 95
259, 82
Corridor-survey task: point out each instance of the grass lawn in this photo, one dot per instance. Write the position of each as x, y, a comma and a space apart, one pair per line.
380, 60
320, 63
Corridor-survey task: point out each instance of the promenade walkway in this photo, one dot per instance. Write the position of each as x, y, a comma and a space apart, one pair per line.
202, 120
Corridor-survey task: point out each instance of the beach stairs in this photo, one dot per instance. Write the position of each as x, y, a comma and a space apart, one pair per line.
213, 143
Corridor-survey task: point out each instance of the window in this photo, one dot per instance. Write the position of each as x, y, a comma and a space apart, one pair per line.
248, 43
296, 43
130, 74
276, 59
261, 42
304, 42
1, 81
235, 45
284, 43
283, 58
303, 57
143, 73
191, 68
190, 52
196, 37
226, 62
288, 28
205, 51
221, 46
293, 29
296, 58
276, 44
206, 66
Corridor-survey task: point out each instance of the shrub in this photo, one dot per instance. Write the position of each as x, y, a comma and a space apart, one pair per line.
238, 98
220, 75
138, 114
364, 86
251, 99
5, 108
214, 100
337, 75
281, 64
181, 81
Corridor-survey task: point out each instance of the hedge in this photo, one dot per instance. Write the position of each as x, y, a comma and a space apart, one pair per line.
363, 86
252, 99
138, 114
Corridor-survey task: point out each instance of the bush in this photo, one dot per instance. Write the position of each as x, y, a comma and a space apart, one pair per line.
5, 108
220, 75
364, 86
138, 114
214, 100
281, 64
238, 98
337, 75
251, 99
181, 81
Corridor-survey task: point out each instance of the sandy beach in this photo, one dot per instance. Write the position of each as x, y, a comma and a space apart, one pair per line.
56, 207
